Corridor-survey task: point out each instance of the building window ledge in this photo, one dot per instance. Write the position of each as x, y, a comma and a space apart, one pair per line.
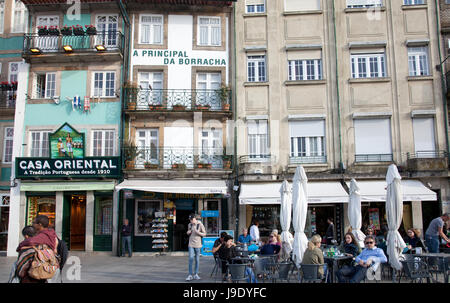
249, 84
254, 15
370, 80
416, 6
420, 78
311, 12
305, 82
364, 9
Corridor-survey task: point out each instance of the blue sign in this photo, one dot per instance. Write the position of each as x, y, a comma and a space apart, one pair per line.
229, 232
210, 213
207, 245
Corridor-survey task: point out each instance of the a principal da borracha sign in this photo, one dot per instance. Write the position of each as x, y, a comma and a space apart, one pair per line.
89, 167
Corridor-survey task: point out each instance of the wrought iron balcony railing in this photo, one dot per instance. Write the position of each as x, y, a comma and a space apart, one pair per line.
47, 44
307, 160
374, 158
177, 100
8, 99
427, 155
177, 158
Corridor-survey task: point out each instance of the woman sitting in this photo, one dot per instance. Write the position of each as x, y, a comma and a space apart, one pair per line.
350, 246
314, 255
413, 240
271, 247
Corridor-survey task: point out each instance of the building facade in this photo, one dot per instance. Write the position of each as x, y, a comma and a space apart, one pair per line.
344, 88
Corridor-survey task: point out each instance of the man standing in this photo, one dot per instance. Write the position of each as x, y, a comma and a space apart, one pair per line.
126, 237
196, 230
435, 229
329, 235
254, 231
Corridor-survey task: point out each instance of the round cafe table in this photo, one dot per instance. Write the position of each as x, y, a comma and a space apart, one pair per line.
335, 267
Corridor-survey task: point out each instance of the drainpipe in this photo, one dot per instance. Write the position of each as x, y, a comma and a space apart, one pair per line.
235, 162
341, 164
443, 84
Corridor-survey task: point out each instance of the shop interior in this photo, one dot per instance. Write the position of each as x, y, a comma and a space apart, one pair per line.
77, 222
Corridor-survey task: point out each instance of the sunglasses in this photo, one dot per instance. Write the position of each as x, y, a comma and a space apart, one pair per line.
369, 242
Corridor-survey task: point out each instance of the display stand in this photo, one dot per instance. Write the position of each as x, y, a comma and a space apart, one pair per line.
159, 232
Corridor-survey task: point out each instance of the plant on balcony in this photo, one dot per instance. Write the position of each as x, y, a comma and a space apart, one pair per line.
66, 30
179, 107
223, 93
78, 30
90, 29
203, 164
203, 107
53, 31
149, 165
156, 106
131, 152
178, 166
42, 30
131, 94
226, 160
4, 85
13, 85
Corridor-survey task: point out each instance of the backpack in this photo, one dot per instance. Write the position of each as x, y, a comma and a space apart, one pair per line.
63, 252
45, 263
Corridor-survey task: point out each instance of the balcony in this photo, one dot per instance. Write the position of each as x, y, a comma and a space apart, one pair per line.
177, 158
308, 160
374, 158
427, 161
177, 100
7, 102
83, 48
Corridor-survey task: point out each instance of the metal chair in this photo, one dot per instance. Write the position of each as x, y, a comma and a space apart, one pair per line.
282, 271
216, 266
437, 266
238, 272
220, 263
415, 270
309, 273
259, 268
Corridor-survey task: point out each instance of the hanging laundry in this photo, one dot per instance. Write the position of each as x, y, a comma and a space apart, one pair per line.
76, 104
87, 104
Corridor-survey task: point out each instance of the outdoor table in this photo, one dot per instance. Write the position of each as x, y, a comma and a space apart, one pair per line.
335, 261
242, 260
429, 256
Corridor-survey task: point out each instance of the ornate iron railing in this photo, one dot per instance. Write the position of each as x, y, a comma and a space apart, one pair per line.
374, 158
307, 160
427, 155
177, 100
8, 99
112, 41
180, 158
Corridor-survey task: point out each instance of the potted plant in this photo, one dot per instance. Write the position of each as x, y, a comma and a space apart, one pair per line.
223, 93
13, 85
203, 107
179, 107
42, 31
179, 166
204, 165
131, 152
155, 106
53, 31
66, 30
90, 29
226, 161
78, 30
4, 85
131, 91
149, 165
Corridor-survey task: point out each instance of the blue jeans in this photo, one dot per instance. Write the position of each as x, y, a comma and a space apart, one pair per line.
432, 243
194, 253
351, 274
126, 241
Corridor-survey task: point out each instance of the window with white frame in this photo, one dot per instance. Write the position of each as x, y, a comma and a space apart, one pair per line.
13, 71
39, 144
373, 140
364, 3
368, 65
301, 5
256, 68
147, 140
152, 87
418, 61
2, 14
305, 69
255, 6
45, 85
307, 139
424, 138
104, 84
209, 31
258, 139
107, 26
20, 17
413, 2
103, 143
8, 144
151, 29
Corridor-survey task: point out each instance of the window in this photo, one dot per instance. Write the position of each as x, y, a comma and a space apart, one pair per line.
305, 70
39, 144
413, 2
2, 14
255, 6
418, 61
13, 71
20, 17
424, 143
211, 147
147, 140
307, 141
103, 216
151, 29
103, 143
364, 3
152, 87
145, 213
209, 31
49, 43
8, 144
301, 5
107, 30
373, 140
104, 84
368, 65
258, 139
207, 86
256, 68
45, 85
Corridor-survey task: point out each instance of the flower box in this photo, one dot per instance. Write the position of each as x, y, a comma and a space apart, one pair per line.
179, 166
150, 166
42, 31
4, 86
91, 30
156, 107
226, 107
53, 31
132, 105
179, 107
13, 85
204, 165
66, 31
203, 107
78, 30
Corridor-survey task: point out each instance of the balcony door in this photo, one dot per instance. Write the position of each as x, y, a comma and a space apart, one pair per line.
211, 147
47, 43
147, 140
151, 84
178, 146
107, 30
207, 84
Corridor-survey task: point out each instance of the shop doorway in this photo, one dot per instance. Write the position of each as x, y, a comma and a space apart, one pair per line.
4, 221
74, 223
184, 207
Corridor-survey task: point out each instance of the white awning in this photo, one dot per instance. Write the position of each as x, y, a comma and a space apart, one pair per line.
413, 190
269, 193
176, 186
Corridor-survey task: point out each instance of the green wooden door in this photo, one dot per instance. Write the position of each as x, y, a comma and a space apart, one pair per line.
103, 216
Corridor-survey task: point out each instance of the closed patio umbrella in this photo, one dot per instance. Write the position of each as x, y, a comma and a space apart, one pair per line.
354, 212
300, 209
285, 219
394, 212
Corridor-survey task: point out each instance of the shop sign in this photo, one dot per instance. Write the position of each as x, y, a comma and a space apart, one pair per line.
177, 57
89, 167
66, 143
210, 213
207, 245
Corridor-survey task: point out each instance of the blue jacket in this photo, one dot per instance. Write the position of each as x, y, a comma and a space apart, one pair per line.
376, 254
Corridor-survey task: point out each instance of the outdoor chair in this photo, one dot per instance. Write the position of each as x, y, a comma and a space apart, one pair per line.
309, 273
282, 271
216, 266
259, 268
220, 262
238, 272
415, 270
437, 266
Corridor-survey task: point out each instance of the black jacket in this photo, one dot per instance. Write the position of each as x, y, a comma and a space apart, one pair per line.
126, 230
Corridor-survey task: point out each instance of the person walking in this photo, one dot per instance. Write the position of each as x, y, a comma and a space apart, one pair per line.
126, 238
329, 235
196, 230
434, 230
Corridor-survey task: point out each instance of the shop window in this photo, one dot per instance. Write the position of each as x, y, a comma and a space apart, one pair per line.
145, 213
103, 216
41, 206
212, 223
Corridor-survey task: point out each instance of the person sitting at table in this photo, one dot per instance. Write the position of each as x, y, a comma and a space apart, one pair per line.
314, 255
245, 237
271, 247
370, 255
226, 252
277, 235
413, 240
217, 243
350, 246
